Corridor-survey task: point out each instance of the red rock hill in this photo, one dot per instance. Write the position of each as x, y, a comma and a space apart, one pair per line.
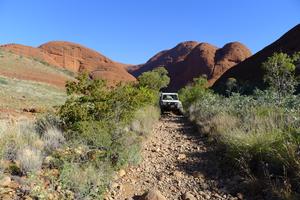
249, 72
189, 60
165, 58
31, 52
75, 58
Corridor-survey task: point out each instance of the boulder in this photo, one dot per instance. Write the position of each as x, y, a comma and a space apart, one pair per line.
153, 195
5, 181
122, 173
188, 196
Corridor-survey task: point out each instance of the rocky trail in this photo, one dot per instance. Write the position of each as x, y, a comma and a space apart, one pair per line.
177, 164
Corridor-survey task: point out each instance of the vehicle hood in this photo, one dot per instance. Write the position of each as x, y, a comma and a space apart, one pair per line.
171, 101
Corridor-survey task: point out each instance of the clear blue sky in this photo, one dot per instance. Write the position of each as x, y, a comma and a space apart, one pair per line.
131, 31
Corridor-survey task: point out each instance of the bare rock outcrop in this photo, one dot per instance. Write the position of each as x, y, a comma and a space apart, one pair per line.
189, 60
250, 73
165, 58
78, 58
75, 58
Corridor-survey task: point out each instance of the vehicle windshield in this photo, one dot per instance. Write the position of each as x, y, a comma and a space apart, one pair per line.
170, 97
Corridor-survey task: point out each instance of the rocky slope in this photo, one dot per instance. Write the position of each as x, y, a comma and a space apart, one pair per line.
249, 71
78, 58
165, 58
29, 85
75, 58
30, 52
16, 65
189, 60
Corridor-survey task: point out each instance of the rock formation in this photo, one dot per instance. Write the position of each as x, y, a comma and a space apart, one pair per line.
75, 58
189, 60
249, 72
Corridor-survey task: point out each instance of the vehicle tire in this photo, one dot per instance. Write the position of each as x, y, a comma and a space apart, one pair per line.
179, 112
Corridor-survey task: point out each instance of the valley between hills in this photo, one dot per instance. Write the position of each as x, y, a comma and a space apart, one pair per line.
75, 124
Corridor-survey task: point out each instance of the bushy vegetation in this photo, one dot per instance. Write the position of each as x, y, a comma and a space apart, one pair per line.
155, 80
95, 133
258, 134
108, 124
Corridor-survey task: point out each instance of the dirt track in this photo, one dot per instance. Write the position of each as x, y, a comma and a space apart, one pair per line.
177, 162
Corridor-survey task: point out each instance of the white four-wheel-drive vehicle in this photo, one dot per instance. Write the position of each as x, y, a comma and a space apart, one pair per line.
170, 102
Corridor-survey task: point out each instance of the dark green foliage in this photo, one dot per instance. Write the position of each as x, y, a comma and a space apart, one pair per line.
191, 93
99, 118
3, 81
91, 100
95, 134
231, 86
15, 170
86, 86
156, 79
280, 73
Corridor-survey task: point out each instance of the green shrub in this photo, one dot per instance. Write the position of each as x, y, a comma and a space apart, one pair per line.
194, 92
280, 73
260, 137
155, 79
14, 169
144, 119
109, 123
3, 81
259, 133
93, 133
92, 101
87, 181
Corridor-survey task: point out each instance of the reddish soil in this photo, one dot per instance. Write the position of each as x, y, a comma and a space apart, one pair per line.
250, 72
13, 116
38, 76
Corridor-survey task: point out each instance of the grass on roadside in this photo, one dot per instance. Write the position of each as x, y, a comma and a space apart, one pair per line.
20, 94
